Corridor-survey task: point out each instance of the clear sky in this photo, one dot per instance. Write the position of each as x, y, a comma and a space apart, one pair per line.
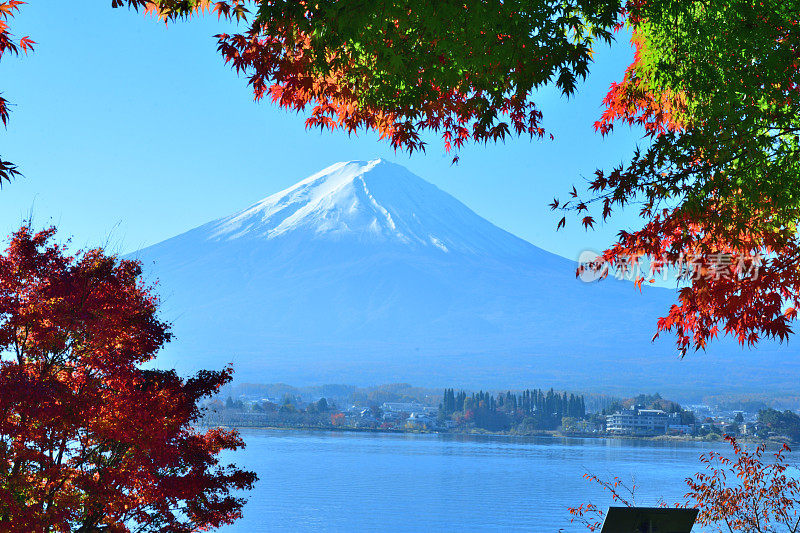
130, 132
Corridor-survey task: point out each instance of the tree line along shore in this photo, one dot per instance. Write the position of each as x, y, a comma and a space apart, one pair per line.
532, 412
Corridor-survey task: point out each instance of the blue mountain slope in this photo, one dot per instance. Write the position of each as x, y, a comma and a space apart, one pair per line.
365, 273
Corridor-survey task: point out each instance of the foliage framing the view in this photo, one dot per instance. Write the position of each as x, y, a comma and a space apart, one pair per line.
90, 441
715, 86
466, 70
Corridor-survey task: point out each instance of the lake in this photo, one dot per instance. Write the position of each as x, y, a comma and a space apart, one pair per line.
327, 481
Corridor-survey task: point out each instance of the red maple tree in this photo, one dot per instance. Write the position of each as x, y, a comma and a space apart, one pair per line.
89, 440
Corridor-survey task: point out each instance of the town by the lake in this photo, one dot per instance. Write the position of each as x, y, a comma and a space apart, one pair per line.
403, 408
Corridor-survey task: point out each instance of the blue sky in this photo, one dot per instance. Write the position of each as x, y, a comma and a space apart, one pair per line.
129, 132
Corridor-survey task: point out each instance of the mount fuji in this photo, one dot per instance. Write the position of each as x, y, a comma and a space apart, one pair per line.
365, 273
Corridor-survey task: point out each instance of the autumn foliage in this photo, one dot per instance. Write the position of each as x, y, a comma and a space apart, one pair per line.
716, 89
464, 70
90, 441
745, 492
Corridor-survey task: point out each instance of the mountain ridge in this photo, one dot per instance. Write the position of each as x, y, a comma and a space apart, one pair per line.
338, 201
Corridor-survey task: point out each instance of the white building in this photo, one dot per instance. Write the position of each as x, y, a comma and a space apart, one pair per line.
642, 422
407, 407
419, 421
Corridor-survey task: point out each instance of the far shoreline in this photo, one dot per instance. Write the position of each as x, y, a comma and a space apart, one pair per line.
543, 433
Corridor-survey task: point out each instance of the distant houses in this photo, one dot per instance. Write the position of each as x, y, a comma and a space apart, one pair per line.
531, 412
415, 415
408, 407
420, 421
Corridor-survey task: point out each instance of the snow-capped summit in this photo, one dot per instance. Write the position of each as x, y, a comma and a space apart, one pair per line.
370, 202
365, 273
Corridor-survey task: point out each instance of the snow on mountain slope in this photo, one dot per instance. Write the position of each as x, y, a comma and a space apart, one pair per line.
371, 202
365, 273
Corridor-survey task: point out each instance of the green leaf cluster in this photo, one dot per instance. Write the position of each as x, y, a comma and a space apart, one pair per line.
736, 64
399, 55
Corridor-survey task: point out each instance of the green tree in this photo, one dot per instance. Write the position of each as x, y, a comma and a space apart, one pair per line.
322, 405
783, 423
